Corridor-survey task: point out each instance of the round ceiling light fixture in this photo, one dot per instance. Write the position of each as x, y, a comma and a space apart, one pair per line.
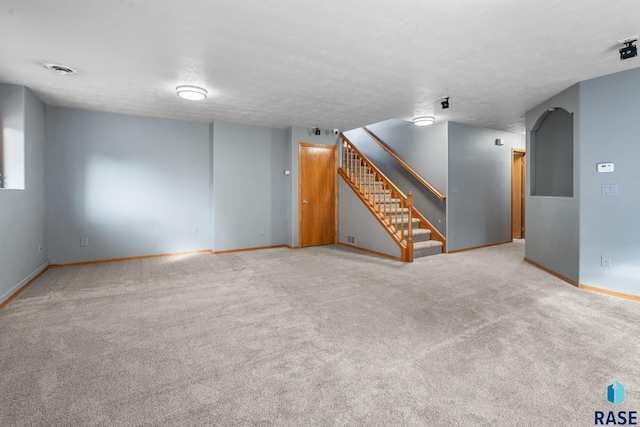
60, 69
424, 120
192, 93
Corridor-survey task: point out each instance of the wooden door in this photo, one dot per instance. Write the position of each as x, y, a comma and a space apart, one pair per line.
518, 193
317, 194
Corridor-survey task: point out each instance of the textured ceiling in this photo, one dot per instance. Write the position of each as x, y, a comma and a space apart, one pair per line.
331, 64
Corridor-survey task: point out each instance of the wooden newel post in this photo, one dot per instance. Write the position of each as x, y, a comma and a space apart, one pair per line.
410, 206
410, 228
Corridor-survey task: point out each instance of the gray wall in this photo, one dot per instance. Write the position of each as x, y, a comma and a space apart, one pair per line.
553, 222
609, 111
479, 179
289, 186
131, 185
294, 136
422, 148
357, 220
22, 212
249, 186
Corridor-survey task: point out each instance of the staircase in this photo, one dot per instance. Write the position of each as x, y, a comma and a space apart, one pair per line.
390, 206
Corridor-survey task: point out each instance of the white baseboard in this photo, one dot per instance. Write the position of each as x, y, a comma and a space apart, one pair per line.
23, 282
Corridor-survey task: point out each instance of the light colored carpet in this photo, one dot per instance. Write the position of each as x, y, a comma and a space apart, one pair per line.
315, 337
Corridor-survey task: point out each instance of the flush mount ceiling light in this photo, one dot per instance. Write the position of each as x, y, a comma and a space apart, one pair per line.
192, 93
60, 69
424, 120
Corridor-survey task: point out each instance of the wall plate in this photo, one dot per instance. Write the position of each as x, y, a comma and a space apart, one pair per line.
605, 167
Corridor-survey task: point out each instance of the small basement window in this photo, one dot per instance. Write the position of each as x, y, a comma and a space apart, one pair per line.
12, 159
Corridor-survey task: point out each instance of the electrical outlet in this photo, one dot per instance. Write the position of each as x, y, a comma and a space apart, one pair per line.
262, 232
84, 242
605, 261
195, 231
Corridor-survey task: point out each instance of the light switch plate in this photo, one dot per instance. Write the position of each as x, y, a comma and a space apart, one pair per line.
609, 189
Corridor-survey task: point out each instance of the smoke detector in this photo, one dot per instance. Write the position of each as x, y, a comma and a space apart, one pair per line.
61, 69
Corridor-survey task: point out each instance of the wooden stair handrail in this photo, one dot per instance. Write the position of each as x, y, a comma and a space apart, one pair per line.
374, 167
404, 165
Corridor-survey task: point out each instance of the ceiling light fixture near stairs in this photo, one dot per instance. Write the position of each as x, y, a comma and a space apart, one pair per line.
424, 120
192, 93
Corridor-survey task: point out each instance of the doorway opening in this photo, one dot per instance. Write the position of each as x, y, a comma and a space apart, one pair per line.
518, 192
318, 188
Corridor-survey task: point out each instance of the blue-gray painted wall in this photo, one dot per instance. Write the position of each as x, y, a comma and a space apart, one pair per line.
569, 235
553, 230
132, 185
424, 148
609, 132
479, 180
139, 186
249, 186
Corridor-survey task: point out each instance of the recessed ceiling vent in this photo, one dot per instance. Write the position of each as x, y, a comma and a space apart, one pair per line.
61, 69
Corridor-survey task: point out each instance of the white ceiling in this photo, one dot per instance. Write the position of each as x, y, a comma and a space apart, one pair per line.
326, 63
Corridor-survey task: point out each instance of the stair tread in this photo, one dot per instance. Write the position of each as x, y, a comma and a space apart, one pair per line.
396, 218
421, 231
427, 244
426, 248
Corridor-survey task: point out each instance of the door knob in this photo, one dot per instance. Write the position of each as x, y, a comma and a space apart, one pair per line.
304, 202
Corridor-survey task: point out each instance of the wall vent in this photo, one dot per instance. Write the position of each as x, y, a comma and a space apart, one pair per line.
351, 239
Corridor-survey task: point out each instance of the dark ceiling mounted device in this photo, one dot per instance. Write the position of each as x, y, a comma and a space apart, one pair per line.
629, 50
445, 102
